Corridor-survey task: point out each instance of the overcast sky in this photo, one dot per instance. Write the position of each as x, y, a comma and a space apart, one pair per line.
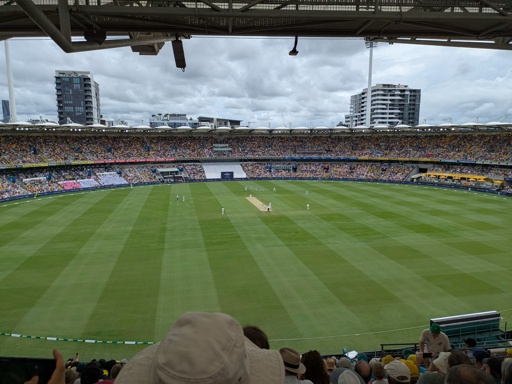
256, 81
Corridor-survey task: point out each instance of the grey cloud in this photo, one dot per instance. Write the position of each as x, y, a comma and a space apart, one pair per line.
256, 80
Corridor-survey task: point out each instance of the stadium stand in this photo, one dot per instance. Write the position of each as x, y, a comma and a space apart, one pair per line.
51, 163
67, 185
88, 183
111, 178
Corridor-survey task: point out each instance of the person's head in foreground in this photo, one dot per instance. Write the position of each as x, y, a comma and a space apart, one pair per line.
467, 374
291, 360
204, 348
398, 372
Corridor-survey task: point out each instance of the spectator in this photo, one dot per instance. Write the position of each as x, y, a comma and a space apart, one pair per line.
379, 373
470, 344
440, 364
506, 372
330, 364
257, 336
434, 341
315, 368
345, 376
114, 372
387, 359
431, 378
411, 364
467, 374
362, 368
492, 366
398, 372
204, 348
293, 368
479, 354
71, 375
344, 362
92, 373
458, 357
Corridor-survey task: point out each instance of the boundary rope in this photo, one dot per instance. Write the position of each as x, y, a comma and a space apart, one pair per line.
90, 341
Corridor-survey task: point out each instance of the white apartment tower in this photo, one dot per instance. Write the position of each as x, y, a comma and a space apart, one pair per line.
78, 97
390, 105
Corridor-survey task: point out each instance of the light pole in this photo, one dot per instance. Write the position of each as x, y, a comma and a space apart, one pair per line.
369, 44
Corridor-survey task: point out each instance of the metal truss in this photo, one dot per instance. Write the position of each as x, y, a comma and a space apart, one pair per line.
84, 25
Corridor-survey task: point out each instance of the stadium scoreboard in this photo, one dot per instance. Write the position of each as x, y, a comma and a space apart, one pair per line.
227, 175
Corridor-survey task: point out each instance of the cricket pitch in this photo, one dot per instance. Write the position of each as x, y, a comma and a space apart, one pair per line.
258, 204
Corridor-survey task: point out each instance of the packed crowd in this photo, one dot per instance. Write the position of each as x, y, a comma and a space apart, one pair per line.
29, 181
16, 150
213, 348
361, 171
498, 172
46, 148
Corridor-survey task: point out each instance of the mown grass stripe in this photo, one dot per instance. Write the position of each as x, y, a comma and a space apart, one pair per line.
22, 238
133, 283
71, 289
241, 285
186, 283
38, 260
14, 212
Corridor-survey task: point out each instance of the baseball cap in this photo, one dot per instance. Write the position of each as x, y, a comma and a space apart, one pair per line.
398, 371
441, 362
435, 328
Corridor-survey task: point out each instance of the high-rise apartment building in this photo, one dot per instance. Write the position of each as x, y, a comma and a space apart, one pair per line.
78, 97
390, 105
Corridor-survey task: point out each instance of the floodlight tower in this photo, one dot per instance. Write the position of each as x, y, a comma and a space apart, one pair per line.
369, 44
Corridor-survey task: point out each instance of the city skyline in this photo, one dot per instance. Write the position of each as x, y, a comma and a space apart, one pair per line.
256, 81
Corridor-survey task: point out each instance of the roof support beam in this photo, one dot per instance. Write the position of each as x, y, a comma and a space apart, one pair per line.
492, 6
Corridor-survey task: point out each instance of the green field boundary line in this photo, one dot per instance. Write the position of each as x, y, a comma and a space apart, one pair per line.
89, 341
125, 342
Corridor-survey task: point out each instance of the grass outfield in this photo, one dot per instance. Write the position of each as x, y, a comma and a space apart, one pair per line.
367, 264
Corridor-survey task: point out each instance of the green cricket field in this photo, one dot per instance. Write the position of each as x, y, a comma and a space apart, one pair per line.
105, 273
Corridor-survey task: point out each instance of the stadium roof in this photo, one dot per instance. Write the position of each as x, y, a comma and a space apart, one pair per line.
145, 25
25, 127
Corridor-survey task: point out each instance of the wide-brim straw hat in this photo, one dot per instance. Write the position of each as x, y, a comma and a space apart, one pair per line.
204, 348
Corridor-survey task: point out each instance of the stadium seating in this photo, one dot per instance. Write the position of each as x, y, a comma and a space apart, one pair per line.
479, 161
482, 326
67, 185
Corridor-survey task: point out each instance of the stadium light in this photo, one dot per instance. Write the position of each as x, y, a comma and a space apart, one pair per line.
179, 54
